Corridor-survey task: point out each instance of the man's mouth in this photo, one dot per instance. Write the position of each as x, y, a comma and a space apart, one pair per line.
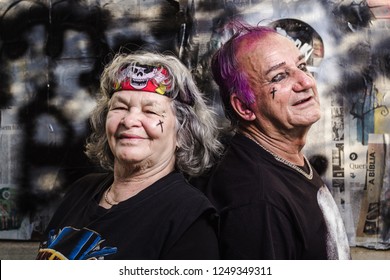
302, 101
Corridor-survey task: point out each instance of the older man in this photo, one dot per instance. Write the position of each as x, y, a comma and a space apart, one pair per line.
273, 204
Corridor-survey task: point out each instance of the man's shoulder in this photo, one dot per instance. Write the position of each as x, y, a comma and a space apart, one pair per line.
242, 158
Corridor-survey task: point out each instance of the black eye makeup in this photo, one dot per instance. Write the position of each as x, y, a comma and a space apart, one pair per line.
279, 77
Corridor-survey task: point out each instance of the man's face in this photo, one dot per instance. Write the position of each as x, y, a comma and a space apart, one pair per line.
285, 91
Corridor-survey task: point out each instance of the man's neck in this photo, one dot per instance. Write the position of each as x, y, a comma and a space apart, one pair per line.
288, 147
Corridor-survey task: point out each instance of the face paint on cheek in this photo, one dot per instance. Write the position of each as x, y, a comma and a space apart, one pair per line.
273, 91
160, 123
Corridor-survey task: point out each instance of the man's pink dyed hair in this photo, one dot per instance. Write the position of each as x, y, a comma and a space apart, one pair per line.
225, 68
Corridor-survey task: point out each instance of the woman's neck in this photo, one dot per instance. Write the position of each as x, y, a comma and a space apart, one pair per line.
129, 181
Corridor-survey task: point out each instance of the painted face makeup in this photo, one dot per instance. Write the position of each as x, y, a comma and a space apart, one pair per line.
273, 93
277, 70
140, 128
160, 123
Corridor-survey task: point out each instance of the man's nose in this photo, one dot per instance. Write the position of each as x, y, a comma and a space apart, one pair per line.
303, 80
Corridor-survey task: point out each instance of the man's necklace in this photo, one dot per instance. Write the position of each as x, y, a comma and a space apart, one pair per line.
309, 175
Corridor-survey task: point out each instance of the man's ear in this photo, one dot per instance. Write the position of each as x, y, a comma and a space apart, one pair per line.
241, 108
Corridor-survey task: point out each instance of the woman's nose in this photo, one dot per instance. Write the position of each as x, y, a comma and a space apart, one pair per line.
131, 118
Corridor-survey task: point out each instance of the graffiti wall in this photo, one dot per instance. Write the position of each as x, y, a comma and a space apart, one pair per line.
53, 51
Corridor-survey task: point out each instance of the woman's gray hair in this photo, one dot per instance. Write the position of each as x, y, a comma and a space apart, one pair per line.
196, 123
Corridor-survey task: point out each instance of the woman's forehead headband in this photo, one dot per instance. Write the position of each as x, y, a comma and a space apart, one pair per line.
143, 78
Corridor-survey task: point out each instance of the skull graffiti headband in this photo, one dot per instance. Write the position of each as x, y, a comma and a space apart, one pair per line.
143, 78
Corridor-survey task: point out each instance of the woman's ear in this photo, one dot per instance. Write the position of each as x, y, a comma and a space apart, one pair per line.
241, 108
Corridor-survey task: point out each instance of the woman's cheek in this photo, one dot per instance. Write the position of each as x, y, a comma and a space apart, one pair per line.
155, 127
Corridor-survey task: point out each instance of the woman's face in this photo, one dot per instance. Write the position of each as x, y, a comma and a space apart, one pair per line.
141, 129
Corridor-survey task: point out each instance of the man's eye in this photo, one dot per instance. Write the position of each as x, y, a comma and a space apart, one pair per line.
278, 77
303, 67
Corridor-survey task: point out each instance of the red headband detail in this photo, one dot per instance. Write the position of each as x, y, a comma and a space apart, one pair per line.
143, 78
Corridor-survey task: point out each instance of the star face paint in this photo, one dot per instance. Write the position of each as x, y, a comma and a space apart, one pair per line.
148, 78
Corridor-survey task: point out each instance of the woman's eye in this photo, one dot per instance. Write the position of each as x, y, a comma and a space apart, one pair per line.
117, 108
151, 112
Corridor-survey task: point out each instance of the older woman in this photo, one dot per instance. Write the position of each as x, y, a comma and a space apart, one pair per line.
151, 127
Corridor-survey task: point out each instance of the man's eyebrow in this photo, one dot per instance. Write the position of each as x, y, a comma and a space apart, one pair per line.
302, 56
272, 68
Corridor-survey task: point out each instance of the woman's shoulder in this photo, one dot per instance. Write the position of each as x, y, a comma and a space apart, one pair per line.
177, 189
180, 185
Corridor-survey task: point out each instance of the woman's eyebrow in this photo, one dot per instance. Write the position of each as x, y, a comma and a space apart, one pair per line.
151, 103
118, 98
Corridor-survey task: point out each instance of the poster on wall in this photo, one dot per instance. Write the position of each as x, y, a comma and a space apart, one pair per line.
52, 52
373, 223
10, 135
